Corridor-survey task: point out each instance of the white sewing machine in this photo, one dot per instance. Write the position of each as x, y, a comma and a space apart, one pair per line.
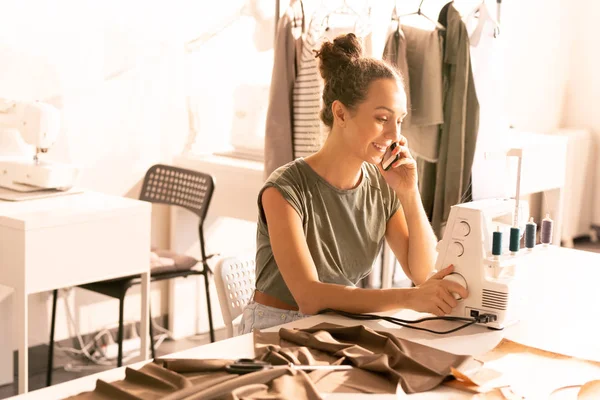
492, 281
489, 270
21, 170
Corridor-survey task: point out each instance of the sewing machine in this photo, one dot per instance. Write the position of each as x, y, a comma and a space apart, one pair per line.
492, 281
28, 129
482, 241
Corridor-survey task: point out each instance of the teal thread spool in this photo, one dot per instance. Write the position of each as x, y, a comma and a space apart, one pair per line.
515, 238
497, 243
530, 231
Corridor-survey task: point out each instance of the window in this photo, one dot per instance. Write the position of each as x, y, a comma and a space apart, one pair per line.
228, 74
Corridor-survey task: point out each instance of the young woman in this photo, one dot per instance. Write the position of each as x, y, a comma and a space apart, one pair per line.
322, 219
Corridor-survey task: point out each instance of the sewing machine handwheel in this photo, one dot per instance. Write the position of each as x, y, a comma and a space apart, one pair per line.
458, 278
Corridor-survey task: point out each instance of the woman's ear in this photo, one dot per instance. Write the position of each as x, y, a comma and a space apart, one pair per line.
340, 113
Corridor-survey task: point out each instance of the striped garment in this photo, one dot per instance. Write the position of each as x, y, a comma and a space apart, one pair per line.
308, 130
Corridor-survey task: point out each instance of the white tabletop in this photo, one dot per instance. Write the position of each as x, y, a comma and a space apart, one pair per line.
561, 320
65, 209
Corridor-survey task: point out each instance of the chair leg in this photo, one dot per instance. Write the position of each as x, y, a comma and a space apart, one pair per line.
210, 320
51, 346
151, 335
120, 333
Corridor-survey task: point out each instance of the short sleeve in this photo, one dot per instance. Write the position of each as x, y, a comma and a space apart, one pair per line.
290, 191
392, 202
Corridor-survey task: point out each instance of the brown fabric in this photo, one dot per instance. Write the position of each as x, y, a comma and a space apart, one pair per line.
184, 379
415, 367
270, 301
180, 262
268, 346
382, 361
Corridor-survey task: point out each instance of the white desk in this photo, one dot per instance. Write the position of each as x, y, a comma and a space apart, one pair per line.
563, 285
69, 240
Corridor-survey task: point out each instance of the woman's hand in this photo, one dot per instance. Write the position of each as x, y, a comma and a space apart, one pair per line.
435, 295
402, 175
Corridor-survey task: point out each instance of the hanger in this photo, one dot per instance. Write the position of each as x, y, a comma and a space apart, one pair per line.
483, 14
344, 9
419, 12
396, 18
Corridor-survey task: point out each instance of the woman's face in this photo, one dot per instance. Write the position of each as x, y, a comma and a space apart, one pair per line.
375, 123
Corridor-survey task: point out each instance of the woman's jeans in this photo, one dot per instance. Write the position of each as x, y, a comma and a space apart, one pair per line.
259, 316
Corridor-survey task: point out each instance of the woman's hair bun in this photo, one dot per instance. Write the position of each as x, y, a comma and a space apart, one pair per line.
337, 54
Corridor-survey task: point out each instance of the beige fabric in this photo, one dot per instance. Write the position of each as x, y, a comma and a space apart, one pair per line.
344, 229
395, 53
424, 60
278, 133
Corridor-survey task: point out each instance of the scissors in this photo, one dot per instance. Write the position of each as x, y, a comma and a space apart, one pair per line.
247, 365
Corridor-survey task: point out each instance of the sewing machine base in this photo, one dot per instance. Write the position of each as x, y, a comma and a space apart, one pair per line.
25, 175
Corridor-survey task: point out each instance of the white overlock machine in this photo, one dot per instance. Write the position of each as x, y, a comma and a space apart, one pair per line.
484, 263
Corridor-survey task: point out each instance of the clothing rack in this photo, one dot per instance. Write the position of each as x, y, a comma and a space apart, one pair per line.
278, 10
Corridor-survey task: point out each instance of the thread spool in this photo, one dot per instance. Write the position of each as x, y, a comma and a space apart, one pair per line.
530, 230
497, 243
546, 235
515, 238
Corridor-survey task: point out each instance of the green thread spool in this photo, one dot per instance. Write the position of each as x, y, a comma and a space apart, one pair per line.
515, 239
497, 243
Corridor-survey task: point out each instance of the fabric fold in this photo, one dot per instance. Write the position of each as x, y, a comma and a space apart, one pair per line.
384, 364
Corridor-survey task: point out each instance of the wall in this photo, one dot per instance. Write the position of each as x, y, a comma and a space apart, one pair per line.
583, 91
230, 229
121, 95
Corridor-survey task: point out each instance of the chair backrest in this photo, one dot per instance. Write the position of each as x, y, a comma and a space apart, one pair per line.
166, 184
235, 280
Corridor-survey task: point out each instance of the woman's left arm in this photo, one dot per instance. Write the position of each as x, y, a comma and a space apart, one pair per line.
411, 238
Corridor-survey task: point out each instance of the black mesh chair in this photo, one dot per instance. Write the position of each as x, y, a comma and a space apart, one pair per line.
163, 184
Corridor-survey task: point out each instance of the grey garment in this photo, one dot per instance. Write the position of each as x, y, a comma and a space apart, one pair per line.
259, 316
461, 120
424, 60
278, 130
426, 171
344, 229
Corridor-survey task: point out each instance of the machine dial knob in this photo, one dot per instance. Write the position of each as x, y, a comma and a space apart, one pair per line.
457, 249
458, 278
462, 229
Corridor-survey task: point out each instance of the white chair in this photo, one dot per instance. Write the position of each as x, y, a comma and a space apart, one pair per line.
235, 279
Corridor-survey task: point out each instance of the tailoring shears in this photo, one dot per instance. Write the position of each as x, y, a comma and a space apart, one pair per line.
248, 365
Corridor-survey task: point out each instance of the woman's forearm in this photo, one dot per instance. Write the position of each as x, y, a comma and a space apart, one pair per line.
319, 296
421, 238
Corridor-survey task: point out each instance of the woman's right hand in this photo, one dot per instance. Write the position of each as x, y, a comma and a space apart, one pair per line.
435, 295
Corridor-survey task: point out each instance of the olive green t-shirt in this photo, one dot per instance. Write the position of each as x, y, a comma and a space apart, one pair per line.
344, 229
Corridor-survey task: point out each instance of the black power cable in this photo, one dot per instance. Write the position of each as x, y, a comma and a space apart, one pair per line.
482, 318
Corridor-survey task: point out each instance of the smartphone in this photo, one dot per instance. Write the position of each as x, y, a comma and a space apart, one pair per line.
388, 160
